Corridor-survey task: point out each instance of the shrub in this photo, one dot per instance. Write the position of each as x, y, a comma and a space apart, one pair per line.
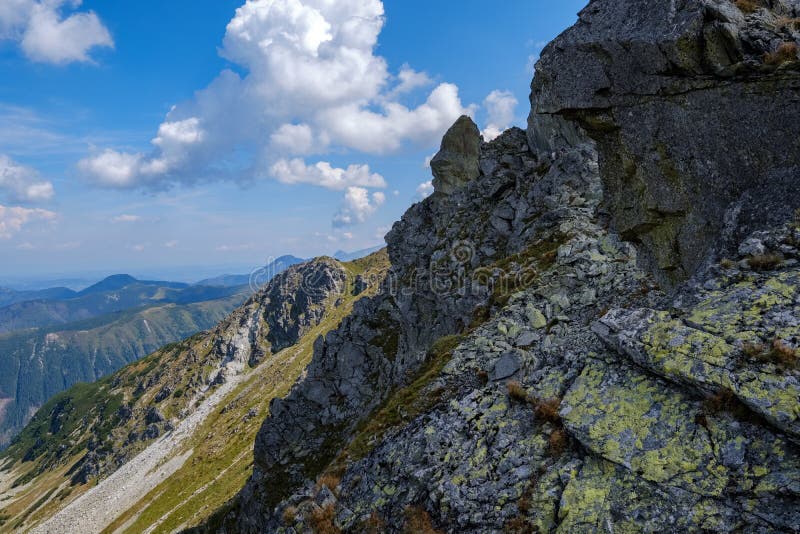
516, 391
726, 263
785, 53
764, 262
418, 521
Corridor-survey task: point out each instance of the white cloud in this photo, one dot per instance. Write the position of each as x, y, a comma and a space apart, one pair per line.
171, 244
22, 183
425, 189
235, 248
312, 84
112, 168
140, 247
49, 35
409, 80
357, 206
322, 174
294, 139
500, 106
125, 218
13, 218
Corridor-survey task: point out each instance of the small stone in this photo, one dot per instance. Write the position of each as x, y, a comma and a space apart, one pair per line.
536, 318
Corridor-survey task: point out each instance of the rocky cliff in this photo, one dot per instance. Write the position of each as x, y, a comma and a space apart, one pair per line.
590, 326
693, 105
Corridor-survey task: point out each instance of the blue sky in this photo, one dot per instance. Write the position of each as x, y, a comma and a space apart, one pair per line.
184, 137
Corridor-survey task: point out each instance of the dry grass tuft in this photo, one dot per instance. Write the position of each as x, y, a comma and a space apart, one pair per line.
789, 23
726, 263
779, 353
418, 521
375, 524
558, 442
321, 520
289, 515
748, 6
547, 410
785, 53
516, 391
764, 262
330, 481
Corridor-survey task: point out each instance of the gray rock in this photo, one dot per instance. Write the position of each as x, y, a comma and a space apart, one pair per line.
506, 367
659, 86
457, 163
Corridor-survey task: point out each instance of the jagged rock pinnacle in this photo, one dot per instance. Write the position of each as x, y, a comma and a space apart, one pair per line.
456, 163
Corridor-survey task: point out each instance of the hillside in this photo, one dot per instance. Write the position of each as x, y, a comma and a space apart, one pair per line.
170, 402
10, 296
36, 364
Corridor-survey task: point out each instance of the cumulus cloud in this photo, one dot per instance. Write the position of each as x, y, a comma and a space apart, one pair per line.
322, 174
13, 218
357, 206
312, 84
48, 33
500, 106
23, 184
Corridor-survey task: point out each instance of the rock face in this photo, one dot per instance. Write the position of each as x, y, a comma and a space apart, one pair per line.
456, 163
538, 361
300, 299
693, 104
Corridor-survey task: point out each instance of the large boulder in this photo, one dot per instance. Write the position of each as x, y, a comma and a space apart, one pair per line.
456, 163
694, 107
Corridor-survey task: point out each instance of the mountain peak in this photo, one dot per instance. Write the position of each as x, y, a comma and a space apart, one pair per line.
110, 283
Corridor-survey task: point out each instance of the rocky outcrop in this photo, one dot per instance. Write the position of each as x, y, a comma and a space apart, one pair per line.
299, 299
693, 104
456, 163
578, 394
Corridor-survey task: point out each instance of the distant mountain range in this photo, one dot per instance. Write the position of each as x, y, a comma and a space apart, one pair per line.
263, 275
114, 294
358, 254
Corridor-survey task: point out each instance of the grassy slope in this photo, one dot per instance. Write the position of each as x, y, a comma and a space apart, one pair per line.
223, 448
84, 351
221, 459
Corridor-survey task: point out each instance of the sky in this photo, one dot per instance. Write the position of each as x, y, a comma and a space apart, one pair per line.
183, 138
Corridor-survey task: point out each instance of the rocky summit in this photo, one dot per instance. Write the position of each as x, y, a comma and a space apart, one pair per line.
590, 326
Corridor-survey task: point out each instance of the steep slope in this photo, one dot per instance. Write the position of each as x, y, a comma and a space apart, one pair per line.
36, 364
164, 411
522, 369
